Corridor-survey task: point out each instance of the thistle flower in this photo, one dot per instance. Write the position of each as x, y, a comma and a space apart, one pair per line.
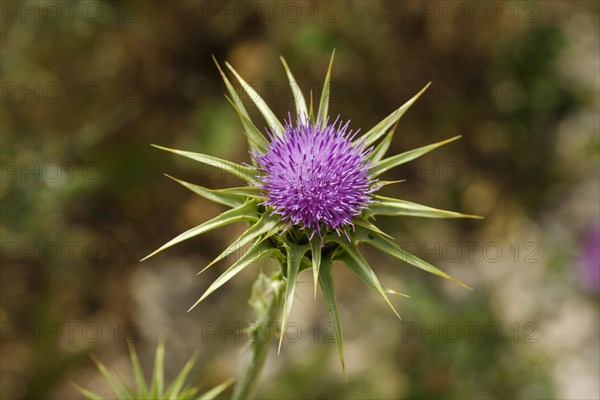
309, 182
315, 178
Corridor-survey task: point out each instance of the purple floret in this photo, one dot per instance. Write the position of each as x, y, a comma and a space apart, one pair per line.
316, 178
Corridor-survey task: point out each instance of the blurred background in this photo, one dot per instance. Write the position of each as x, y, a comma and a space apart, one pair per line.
88, 85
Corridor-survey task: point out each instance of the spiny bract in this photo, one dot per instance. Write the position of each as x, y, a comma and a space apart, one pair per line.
306, 179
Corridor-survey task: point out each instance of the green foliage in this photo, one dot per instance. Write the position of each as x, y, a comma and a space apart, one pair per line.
301, 109
264, 109
381, 166
245, 212
156, 390
326, 282
397, 207
294, 255
324, 102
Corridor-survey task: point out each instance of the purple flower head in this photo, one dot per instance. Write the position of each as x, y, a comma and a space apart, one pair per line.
316, 177
589, 261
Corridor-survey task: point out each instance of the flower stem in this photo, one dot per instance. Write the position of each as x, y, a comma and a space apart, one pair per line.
263, 333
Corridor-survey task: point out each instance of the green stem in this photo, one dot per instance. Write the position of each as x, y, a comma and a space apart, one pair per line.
264, 331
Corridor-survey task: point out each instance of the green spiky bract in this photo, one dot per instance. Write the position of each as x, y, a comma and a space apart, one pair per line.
291, 246
156, 390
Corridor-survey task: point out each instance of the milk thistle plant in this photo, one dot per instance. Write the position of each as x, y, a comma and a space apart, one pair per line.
309, 199
157, 389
